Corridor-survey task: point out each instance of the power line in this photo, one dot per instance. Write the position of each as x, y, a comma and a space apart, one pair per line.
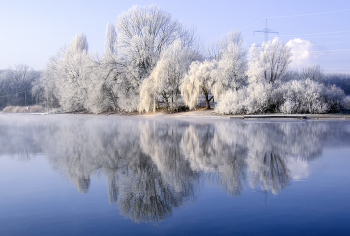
340, 50
336, 70
335, 32
333, 42
310, 14
252, 24
322, 37
329, 53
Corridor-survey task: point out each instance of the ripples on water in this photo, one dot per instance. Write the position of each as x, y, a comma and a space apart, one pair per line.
154, 166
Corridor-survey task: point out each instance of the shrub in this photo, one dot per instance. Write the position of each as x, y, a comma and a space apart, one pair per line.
307, 96
26, 109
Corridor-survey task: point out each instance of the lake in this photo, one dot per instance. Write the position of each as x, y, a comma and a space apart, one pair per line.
124, 175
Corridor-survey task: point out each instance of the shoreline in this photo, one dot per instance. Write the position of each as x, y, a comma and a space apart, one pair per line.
211, 114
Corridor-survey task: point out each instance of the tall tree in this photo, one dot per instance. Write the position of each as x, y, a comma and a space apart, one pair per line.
313, 73
66, 77
166, 78
105, 73
268, 63
233, 62
143, 33
201, 79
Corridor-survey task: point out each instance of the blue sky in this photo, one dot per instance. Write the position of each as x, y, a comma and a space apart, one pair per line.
32, 31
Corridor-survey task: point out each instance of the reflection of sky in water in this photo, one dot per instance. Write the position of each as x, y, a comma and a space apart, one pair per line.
299, 169
180, 173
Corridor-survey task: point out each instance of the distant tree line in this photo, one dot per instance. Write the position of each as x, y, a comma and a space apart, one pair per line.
152, 61
16, 86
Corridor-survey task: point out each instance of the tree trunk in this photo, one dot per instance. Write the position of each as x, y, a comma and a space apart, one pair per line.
207, 100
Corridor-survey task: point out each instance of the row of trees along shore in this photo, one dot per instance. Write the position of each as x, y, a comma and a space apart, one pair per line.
152, 61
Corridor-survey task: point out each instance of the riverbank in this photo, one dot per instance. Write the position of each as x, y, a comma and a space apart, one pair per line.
209, 114
203, 113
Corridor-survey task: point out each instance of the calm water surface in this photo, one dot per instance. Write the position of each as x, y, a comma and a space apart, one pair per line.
97, 175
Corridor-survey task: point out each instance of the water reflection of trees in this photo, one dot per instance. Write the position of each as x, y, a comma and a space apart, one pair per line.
154, 166
207, 152
146, 174
269, 170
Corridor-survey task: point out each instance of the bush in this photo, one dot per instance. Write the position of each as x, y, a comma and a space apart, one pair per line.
256, 98
307, 96
232, 102
346, 102
26, 109
295, 96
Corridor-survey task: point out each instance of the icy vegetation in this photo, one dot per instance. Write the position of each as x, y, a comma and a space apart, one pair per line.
152, 61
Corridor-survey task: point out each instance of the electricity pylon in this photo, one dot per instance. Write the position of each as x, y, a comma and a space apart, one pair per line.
266, 32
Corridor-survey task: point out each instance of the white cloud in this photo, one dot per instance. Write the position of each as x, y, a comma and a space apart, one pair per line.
300, 53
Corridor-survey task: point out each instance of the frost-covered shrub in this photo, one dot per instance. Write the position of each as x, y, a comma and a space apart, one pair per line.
335, 98
260, 97
128, 102
288, 107
23, 109
8, 109
307, 96
36, 108
232, 102
346, 102
255, 98
101, 98
295, 96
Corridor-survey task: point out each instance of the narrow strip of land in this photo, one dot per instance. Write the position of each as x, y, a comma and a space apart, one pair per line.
211, 114
274, 117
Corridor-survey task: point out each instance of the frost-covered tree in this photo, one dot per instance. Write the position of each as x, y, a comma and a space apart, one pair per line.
313, 73
46, 90
104, 87
67, 76
267, 67
164, 82
143, 33
233, 63
268, 63
200, 79
74, 75
73, 84
232, 68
